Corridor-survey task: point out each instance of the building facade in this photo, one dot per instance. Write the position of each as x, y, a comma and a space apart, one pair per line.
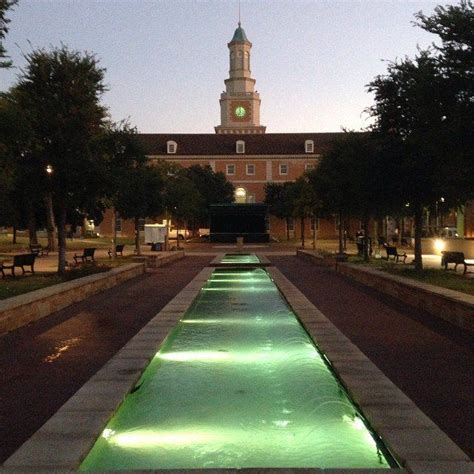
248, 156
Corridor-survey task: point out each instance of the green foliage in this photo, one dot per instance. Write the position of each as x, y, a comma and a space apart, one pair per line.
5, 5
140, 193
279, 199
356, 177
213, 189
59, 94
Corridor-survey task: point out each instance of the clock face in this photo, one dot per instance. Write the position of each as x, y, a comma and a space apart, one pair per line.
240, 112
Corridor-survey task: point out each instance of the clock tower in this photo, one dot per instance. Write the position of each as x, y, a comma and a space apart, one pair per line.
240, 104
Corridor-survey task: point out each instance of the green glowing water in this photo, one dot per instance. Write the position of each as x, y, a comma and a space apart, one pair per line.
238, 383
236, 259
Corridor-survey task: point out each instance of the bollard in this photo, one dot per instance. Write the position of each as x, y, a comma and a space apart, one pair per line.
240, 244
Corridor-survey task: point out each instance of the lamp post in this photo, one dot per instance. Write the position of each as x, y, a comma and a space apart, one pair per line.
50, 211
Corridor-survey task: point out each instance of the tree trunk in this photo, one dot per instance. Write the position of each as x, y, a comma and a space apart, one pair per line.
288, 228
50, 222
366, 240
62, 241
177, 235
14, 235
341, 243
137, 237
314, 233
32, 226
302, 232
418, 227
114, 233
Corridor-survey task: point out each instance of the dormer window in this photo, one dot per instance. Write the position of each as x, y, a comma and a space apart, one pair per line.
309, 146
171, 146
240, 146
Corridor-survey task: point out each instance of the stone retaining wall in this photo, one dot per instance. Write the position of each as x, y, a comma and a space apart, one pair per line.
24, 309
452, 306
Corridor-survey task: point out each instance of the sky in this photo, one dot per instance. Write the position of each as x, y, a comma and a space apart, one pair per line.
166, 60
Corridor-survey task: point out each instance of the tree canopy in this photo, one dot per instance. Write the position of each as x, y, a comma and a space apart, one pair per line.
5, 5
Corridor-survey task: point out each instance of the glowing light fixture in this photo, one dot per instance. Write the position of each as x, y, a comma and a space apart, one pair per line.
439, 245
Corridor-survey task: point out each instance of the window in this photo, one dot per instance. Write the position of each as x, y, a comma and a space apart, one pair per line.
141, 225
251, 198
283, 168
250, 169
314, 224
309, 146
118, 224
309, 166
290, 222
240, 146
230, 169
171, 146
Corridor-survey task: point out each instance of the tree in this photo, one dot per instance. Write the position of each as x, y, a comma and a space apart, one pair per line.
122, 153
183, 201
355, 180
5, 5
213, 188
60, 91
140, 195
279, 202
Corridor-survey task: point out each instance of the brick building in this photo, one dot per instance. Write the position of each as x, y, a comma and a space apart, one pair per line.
242, 150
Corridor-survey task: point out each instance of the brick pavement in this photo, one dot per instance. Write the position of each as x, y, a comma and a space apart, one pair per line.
42, 365
428, 359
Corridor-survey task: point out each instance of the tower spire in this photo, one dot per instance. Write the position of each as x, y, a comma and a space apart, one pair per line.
239, 12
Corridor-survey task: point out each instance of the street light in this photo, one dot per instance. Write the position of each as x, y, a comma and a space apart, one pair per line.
49, 210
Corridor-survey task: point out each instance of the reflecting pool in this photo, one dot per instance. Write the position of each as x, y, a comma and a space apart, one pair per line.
238, 383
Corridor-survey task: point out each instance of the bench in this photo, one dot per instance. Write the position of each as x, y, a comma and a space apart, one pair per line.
39, 250
393, 252
20, 261
118, 250
87, 256
457, 258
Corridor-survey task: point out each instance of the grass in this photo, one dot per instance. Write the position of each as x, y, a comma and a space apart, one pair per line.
14, 286
22, 245
432, 276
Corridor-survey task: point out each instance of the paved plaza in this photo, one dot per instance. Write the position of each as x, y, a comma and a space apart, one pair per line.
45, 363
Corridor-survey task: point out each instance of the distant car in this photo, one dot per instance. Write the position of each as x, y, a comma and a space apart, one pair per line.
182, 235
204, 233
449, 233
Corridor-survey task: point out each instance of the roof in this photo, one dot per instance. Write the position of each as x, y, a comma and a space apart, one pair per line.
239, 35
189, 144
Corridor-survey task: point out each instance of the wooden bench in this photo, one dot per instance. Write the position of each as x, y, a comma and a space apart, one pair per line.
393, 252
39, 250
87, 256
457, 258
118, 250
20, 261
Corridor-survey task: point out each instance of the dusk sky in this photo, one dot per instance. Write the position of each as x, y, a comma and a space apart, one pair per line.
166, 60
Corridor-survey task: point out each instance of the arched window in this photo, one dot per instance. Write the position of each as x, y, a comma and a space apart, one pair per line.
240, 195
232, 60
171, 146
240, 62
246, 60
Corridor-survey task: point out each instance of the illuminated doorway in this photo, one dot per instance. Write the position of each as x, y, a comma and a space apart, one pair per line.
240, 196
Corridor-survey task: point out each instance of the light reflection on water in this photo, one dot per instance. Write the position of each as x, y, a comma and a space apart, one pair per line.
237, 384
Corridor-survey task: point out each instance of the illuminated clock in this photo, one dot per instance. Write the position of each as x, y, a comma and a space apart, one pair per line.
240, 111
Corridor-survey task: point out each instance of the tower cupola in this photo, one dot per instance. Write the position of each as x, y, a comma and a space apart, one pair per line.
240, 103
